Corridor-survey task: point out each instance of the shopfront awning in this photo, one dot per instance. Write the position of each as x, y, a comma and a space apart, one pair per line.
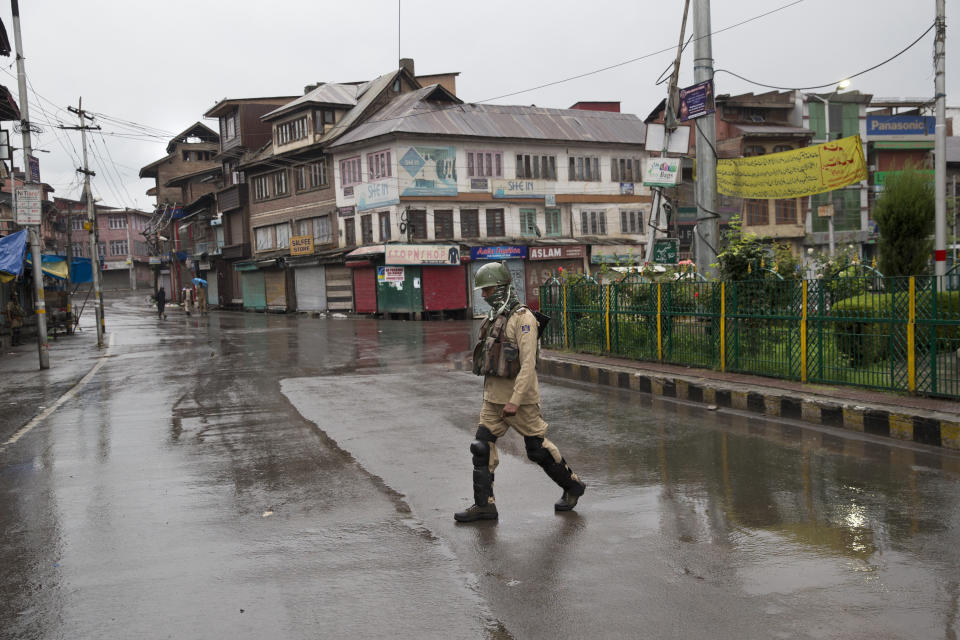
365, 252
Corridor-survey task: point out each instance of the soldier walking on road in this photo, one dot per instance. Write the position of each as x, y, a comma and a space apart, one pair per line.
161, 302
15, 315
506, 355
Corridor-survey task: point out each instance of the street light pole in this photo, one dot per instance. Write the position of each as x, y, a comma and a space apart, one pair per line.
43, 347
826, 125
940, 144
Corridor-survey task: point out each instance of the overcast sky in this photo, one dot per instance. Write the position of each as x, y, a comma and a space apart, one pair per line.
162, 65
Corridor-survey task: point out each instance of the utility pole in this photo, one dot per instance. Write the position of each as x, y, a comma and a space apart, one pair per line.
69, 252
91, 219
43, 347
708, 224
940, 143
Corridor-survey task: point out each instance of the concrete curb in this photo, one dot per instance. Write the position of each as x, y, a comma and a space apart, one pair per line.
923, 427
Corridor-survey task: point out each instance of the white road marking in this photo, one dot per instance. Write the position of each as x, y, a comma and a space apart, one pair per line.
27, 428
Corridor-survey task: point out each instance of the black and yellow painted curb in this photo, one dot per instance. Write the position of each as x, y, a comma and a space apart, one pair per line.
928, 428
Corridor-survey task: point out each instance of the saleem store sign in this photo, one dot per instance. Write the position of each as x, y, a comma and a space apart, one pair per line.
438, 254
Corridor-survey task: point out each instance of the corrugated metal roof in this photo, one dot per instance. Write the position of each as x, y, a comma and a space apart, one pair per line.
416, 113
332, 93
367, 93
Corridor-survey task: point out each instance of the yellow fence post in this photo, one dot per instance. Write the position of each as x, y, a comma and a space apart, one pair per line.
803, 335
911, 327
659, 327
606, 291
723, 326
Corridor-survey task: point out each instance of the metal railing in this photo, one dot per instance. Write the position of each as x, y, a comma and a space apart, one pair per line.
898, 334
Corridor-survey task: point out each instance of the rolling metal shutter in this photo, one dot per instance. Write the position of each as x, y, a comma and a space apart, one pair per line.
311, 287
444, 288
365, 289
339, 281
254, 292
275, 282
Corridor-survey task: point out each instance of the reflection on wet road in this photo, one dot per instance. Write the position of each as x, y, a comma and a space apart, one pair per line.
270, 476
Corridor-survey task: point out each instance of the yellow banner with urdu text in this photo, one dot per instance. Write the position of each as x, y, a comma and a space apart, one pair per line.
794, 174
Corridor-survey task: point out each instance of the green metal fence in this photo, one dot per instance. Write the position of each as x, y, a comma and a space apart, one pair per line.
900, 334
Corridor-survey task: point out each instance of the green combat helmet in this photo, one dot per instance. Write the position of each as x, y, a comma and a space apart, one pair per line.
496, 274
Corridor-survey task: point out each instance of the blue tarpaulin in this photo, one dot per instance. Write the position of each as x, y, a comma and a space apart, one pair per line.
12, 248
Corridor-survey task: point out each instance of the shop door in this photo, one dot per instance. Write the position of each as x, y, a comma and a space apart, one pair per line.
339, 286
404, 296
516, 271
254, 292
365, 289
539, 271
311, 285
275, 282
213, 288
444, 288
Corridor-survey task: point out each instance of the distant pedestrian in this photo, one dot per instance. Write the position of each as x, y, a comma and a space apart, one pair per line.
161, 303
186, 295
15, 315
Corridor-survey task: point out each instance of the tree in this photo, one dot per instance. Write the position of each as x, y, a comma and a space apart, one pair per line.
905, 217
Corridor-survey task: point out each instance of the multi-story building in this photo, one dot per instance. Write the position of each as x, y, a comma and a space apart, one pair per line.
544, 189
122, 248
242, 132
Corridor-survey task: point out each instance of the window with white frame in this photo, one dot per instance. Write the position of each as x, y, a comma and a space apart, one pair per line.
283, 235
322, 233
76, 222
528, 222
625, 170
280, 183
584, 169
322, 118
311, 176
536, 166
350, 171
305, 227
292, 131
484, 164
79, 249
385, 229
264, 238
631, 221
593, 223
230, 126
118, 247
118, 221
261, 187
378, 165
553, 223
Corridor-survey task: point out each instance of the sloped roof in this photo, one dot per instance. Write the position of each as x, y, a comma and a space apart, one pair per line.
427, 111
9, 110
369, 92
336, 94
229, 103
196, 130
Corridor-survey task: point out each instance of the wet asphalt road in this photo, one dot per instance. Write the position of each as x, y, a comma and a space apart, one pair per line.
250, 476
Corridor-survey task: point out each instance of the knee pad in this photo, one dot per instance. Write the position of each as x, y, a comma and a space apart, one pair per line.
485, 434
480, 449
536, 452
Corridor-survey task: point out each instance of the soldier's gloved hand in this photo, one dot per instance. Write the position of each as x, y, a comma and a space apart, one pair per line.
509, 409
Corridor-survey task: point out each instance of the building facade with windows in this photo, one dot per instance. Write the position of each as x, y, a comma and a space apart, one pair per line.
543, 188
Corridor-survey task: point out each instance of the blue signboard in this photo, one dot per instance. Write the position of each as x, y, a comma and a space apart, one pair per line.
428, 171
497, 253
901, 125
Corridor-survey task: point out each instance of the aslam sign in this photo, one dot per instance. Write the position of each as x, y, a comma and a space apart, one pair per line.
429, 171
557, 252
428, 254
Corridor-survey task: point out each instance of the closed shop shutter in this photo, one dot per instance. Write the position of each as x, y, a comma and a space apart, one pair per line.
165, 282
116, 279
444, 288
516, 271
539, 271
365, 289
254, 292
339, 288
311, 289
213, 288
275, 282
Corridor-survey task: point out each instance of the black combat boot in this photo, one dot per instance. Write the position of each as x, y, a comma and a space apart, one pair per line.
477, 512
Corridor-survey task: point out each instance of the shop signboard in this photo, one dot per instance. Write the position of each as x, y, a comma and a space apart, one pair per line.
428, 171
428, 254
557, 252
519, 188
497, 253
696, 101
661, 172
379, 193
666, 250
301, 245
346, 212
904, 127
